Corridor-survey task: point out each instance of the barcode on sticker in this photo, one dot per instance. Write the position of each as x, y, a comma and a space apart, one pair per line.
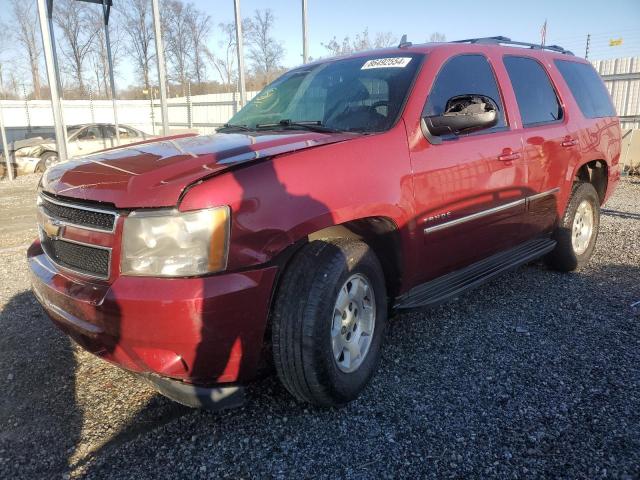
391, 62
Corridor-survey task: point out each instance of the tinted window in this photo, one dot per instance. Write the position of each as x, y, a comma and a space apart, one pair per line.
535, 95
587, 88
464, 75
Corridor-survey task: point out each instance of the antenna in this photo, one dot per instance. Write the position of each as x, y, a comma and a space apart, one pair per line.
403, 42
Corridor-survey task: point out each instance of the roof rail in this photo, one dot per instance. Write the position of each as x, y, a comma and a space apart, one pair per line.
507, 41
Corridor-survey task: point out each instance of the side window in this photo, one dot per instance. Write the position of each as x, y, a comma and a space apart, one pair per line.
464, 75
587, 88
131, 133
537, 100
109, 131
90, 133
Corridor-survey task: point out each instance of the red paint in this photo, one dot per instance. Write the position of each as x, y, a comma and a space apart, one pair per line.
281, 187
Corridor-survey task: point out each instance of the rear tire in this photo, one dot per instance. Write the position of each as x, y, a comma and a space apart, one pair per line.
328, 322
577, 232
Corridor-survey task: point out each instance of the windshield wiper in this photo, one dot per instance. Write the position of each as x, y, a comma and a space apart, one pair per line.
233, 126
313, 125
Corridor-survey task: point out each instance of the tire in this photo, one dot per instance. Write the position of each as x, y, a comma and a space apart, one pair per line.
44, 158
303, 325
573, 251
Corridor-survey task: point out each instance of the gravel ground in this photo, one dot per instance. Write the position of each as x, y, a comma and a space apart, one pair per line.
536, 374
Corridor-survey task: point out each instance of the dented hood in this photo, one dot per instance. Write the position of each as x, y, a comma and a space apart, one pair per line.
154, 174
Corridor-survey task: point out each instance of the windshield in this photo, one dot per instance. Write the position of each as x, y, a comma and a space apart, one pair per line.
72, 131
363, 94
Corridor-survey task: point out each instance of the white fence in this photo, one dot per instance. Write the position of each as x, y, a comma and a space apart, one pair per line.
622, 78
202, 113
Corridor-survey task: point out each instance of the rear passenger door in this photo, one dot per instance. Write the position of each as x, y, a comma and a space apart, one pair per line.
548, 147
469, 188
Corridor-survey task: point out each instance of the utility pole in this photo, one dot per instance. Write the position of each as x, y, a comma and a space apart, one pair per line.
5, 146
106, 10
162, 73
45, 16
586, 50
305, 39
240, 47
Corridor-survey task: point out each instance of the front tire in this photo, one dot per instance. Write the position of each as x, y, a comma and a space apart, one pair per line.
46, 159
577, 232
329, 321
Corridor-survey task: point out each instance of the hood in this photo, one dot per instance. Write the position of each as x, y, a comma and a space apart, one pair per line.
154, 174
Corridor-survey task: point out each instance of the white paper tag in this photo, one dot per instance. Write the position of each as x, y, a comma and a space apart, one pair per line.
389, 62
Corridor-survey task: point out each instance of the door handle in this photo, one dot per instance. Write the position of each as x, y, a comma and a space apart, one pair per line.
569, 142
508, 155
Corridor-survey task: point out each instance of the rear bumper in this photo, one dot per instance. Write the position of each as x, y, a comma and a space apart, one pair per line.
200, 331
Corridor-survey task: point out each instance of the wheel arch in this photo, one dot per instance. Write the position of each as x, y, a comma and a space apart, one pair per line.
382, 235
595, 172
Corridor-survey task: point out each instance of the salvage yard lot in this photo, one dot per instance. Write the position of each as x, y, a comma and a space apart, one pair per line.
535, 374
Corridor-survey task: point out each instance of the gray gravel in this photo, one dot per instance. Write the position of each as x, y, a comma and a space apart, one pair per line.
535, 375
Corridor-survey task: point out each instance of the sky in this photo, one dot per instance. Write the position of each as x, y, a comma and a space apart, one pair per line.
568, 22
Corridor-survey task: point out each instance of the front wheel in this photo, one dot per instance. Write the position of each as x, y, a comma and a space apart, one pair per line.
46, 160
329, 321
578, 230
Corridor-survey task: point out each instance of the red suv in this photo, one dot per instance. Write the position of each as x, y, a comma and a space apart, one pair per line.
348, 189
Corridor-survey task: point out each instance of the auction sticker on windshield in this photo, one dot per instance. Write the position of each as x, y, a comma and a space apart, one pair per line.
391, 62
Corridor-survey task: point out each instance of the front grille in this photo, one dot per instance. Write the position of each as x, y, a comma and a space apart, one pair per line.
81, 258
79, 215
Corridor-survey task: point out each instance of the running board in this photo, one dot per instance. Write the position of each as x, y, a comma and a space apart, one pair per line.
452, 284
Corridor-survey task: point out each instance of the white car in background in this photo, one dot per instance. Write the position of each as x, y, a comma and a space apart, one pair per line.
34, 155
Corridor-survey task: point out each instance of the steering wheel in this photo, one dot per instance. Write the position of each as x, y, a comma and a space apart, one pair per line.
380, 103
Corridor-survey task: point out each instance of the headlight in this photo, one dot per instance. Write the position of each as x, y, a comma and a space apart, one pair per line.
175, 244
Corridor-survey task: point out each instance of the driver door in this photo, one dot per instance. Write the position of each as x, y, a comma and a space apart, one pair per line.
470, 189
89, 140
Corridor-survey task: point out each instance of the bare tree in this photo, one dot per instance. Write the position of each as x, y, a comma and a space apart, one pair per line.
265, 52
336, 48
99, 56
362, 41
178, 40
385, 40
139, 32
78, 34
225, 63
26, 29
199, 25
437, 37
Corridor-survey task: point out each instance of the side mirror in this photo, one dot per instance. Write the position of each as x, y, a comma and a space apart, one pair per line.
463, 113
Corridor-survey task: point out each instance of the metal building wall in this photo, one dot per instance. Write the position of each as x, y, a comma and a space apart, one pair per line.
622, 78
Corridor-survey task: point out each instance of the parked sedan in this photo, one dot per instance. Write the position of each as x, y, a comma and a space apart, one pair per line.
36, 154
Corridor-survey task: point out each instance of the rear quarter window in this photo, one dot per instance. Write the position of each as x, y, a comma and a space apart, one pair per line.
587, 88
535, 95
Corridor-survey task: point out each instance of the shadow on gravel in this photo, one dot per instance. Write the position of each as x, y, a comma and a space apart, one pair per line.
618, 213
508, 381
40, 420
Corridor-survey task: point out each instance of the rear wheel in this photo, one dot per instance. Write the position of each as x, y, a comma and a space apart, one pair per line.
329, 321
578, 230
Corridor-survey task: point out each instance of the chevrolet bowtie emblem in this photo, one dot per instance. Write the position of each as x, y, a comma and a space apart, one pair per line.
52, 227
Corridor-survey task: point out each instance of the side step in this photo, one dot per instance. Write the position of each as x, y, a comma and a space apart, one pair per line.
450, 285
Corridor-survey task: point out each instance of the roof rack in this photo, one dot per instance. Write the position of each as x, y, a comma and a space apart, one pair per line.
507, 41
